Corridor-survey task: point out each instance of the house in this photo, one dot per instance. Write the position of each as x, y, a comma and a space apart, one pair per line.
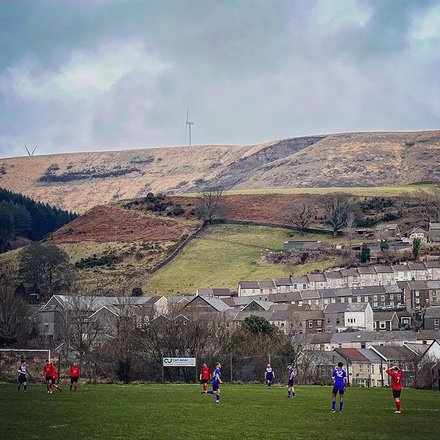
283, 285
290, 245
402, 272
434, 233
416, 295
351, 277
431, 319
387, 230
397, 355
319, 341
307, 321
358, 367
267, 287
300, 283
385, 275
317, 280
256, 305
434, 292
343, 316
312, 298
374, 368
433, 269
419, 233
385, 321
213, 292
334, 279
429, 367
247, 288
367, 276
418, 271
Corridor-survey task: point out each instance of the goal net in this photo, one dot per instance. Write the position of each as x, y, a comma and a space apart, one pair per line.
10, 360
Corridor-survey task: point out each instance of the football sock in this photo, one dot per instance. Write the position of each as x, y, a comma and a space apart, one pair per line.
398, 406
333, 405
217, 397
341, 405
25, 386
18, 388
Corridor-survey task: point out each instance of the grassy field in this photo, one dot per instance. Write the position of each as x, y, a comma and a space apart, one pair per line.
373, 191
225, 255
246, 412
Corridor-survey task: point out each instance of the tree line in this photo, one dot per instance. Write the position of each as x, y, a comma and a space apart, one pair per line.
21, 216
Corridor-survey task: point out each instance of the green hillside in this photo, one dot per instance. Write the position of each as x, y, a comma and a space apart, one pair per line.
226, 254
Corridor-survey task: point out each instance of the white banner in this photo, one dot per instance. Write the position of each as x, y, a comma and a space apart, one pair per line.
179, 362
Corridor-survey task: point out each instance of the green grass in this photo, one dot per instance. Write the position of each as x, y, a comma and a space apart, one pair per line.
390, 190
225, 255
158, 412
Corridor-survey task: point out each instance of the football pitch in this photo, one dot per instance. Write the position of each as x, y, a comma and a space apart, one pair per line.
182, 412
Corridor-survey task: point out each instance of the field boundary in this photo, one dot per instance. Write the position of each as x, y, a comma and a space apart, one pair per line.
195, 234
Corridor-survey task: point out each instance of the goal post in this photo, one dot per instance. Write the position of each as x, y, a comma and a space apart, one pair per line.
10, 359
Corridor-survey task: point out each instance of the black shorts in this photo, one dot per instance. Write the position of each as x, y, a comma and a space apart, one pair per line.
205, 380
22, 378
215, 387
290, 383
338, 390
396, 394
49, 378
269, 377
73, 379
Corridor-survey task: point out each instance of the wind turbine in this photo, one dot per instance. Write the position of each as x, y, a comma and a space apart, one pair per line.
188, 124
29, 152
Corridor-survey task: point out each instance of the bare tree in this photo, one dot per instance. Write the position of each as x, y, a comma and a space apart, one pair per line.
424, 204
211, 204
299, 215
336, 208
45, 267
81, 331
15, 321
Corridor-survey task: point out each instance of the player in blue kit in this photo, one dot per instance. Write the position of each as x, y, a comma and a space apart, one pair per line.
216, 381
291, 379
339, 377
269, 375
22, 376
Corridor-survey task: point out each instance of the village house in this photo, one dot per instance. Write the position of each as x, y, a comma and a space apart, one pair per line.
434, 292
416, 295
434, 233
300, 283
339, 317
387, 230
361, 372
419, 233
431, 318
385, 321
433, 269
385, 275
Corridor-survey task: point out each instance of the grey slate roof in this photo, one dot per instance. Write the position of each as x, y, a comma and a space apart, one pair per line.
345, 307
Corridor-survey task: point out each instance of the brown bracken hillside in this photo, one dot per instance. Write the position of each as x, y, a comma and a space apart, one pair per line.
80, 181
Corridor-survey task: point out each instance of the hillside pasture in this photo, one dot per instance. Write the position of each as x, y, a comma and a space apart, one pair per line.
162, 412
223, 255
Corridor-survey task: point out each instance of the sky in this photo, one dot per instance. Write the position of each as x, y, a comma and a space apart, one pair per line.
89, 75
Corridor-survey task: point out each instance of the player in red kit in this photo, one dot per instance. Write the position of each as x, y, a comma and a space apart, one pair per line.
205, 377
55, 376
74, 376
396, 385
48, 370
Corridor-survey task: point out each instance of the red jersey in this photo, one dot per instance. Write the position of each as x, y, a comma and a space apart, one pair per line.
74, 371
205, 373
54, 372
48, 370
396, 379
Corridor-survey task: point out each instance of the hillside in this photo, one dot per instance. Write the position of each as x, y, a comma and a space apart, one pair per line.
79, 181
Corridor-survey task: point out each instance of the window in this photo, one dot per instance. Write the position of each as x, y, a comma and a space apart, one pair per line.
383, 325
46, 327
382, 298
359, 299
417, 293
304, 286
337, 321
375, 304
319, 322
365, 299
391, 297
310, 324
436, 321
342, 300
372, 368
360, 367
375, 298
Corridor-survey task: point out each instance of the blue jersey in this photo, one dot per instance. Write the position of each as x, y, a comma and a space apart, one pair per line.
216, 377
21, 369
339, 376
269, 373
291, 371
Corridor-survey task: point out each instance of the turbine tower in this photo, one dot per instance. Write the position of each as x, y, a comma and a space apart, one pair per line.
188, 124
30, 153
